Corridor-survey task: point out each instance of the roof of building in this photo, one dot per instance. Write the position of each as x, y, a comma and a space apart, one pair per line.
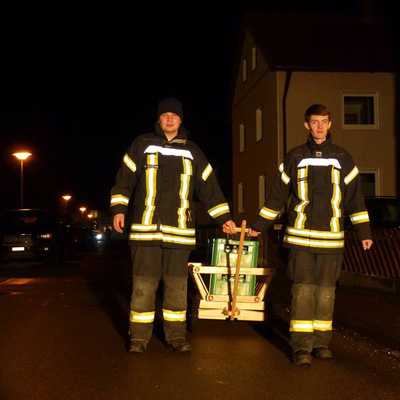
314, 42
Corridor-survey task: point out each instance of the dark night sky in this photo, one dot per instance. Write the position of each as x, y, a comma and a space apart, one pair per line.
79, 83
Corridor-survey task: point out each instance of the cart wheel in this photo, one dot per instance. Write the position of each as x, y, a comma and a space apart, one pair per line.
269, 316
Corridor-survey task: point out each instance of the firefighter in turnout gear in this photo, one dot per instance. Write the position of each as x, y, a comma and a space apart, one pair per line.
323, 185
159, 174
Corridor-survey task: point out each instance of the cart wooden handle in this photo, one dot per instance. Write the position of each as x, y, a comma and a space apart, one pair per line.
242, 231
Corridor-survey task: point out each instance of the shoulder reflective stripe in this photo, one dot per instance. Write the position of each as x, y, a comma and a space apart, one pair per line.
351, 175
119, 199
219, 210
284, 177
323, 244
151, 188
206, 173
178, 231
129, 163
359, 218
167, 151
302, 188
301, 326
174, 316
138, 227
319, 162
267, 213
323, 325
335, 201
315, 234
144, 318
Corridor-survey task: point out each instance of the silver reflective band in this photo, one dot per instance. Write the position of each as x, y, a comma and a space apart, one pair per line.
119, 199
129, 163
206, 173
351, 176
359, 217
316, 234
319, 162
166, 151
268, 213
218, 210
313, 243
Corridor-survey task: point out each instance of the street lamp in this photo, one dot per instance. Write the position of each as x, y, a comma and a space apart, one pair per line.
22, 156
67, 197
83, 209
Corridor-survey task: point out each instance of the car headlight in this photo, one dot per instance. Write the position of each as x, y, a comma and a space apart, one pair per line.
46, 236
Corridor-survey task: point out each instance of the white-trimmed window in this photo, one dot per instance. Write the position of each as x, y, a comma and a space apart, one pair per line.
262, 190
242, 137
241, 197
253, 58
244, 70
360, 110
259, 124
370, 179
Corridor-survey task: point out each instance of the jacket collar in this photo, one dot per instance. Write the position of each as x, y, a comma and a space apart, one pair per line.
179, 140
311, 142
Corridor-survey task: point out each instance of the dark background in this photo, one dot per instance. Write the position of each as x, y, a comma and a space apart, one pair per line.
78, 83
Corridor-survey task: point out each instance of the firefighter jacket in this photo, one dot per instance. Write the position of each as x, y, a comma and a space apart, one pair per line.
163, 175
322, 184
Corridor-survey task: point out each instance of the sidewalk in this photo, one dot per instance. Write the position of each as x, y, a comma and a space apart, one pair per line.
372, 314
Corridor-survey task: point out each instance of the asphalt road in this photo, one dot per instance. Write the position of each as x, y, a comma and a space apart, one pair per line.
63, 335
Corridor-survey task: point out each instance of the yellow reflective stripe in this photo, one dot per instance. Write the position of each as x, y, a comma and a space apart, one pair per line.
129, 163
184, 192
163, 237
351, 175
267, 213
323, 325
284, 177
144, 318
206, 173
331, 244
178, 231
151, 181
219, 210
119, 199
301, 326
315, 234
335, 201
179, 240
359, 218
138, 227
302, 187
174, 316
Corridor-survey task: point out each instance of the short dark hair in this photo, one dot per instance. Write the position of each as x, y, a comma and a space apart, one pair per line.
316, 109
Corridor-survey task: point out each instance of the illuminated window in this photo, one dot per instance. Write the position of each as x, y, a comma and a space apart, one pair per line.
244, 70
253, 58
259, 124
360, 110
242, 138
241, 197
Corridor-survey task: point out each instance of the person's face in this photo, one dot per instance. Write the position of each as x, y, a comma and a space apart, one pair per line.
318, 126
169, 123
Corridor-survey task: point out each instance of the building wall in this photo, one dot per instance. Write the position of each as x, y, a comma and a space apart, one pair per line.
369, 148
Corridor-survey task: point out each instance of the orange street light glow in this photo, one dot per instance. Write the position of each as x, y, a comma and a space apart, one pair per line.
67, 197
22, 155
83, 209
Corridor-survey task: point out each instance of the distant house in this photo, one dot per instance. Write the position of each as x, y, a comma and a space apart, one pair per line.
289, 62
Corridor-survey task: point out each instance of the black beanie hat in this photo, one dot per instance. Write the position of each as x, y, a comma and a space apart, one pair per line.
169, 104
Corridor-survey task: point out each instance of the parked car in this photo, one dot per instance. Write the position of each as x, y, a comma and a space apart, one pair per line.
34, 234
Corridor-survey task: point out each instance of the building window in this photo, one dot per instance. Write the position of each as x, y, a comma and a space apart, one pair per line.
259, 124
262, 190
241, 197
360, 110
244, 70
253, 58
370, 182
242, 138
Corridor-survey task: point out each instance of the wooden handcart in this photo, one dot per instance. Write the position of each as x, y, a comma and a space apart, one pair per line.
206, 305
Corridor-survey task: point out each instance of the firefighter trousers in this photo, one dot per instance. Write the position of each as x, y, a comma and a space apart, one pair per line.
314, 279
150, 266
